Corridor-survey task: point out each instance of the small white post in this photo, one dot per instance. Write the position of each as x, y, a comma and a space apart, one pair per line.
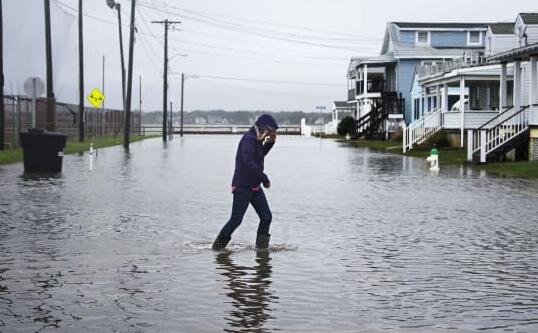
483, 146
470, 145
503, 95
517, 85
404, 138
462, 109
91, 156
34, 103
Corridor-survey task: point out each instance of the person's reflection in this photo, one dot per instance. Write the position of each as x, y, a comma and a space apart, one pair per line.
248, 289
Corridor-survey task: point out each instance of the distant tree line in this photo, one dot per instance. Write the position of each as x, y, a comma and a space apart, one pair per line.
237, 117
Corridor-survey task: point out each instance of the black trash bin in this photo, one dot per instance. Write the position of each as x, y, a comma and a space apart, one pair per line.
42, 150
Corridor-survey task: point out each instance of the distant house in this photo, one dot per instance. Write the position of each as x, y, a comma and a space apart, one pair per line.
382, 84
526, 29
500, 38
496, 112
200, 120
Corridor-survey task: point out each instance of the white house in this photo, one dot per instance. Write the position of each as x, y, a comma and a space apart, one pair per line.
496, 104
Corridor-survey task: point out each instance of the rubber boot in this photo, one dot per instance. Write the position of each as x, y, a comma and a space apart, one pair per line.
220, 243
262, 241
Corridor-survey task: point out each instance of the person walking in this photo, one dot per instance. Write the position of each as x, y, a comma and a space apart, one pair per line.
249, 161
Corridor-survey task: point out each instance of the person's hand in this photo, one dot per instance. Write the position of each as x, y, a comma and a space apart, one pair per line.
267, 184
271, 137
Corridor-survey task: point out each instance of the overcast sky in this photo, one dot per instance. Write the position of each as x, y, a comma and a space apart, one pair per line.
237, 54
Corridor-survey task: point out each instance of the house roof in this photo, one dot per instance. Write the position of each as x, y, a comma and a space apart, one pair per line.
502, 28
343, 105
529, 18
446, 25
521, 53
383, 59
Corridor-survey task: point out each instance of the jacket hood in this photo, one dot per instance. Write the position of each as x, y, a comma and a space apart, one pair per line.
266, 122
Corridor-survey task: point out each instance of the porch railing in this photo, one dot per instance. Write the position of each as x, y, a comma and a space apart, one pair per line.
467, 59
497, 132
421, 129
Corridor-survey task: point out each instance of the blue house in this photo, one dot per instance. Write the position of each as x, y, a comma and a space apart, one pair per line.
380, 86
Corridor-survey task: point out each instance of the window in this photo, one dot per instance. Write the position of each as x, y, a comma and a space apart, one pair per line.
490, 43
431, 62
423, 37
474, 38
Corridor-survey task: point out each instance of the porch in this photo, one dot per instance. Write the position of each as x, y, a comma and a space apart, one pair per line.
484, 91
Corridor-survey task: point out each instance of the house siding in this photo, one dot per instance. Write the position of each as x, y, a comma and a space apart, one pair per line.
406, 73
532, 34
407, 38
473, 119
499, 43
448, 39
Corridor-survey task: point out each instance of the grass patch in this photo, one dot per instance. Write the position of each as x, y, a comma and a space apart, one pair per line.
452, 156
447, 156
73, 146
512, 169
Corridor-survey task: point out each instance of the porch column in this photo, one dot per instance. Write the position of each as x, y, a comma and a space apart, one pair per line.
533, 92
533, 112
503, 91
438, 97
365, 78
445, 97
420, 110
517, 85
462, 109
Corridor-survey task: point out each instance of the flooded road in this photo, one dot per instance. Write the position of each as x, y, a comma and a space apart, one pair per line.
362, 241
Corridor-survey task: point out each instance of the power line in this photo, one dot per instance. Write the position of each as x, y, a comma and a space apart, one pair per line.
231, 78
250, 31
214, 16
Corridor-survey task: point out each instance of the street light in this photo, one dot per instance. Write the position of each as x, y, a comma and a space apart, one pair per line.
115, 5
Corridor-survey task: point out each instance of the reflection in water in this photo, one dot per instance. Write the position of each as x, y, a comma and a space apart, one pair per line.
248, 289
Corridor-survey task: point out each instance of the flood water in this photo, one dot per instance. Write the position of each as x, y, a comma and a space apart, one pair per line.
362, 241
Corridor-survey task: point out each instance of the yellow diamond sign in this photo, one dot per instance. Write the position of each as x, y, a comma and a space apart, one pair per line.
96, 97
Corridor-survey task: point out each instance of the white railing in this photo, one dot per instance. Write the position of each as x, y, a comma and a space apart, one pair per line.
497, 132
421, 129
467, 59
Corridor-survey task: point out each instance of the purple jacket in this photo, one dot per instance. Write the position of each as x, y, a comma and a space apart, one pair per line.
250, 155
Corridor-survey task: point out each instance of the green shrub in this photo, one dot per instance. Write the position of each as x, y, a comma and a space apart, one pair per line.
347, 126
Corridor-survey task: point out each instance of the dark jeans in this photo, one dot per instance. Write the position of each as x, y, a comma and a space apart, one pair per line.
242, 197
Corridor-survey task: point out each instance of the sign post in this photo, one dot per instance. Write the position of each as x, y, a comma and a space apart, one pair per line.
34, 87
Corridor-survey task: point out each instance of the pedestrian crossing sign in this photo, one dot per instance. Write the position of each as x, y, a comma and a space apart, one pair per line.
96, 97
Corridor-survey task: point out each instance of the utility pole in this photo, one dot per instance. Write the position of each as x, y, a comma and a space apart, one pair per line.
130, 79
51, 102
181, 115
80, 75
115, 5
2, 117
171, 120
166, 24
140, 102
103, 80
